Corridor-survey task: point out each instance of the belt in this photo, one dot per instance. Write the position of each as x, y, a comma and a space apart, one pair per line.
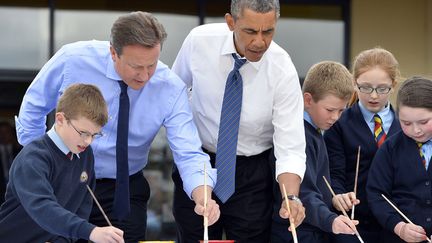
131, 177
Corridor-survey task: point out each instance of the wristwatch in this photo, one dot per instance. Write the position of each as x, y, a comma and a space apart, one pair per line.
294, 198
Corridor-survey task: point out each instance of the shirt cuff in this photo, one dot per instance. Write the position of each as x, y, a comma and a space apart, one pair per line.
295, 165
192, 181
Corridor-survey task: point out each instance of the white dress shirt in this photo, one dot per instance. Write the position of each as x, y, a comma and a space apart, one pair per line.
272, 108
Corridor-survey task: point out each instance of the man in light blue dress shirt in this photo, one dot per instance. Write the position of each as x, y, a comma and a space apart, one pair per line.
157, 96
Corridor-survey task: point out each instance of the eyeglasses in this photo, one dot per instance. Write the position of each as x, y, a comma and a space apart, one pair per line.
378, 90
86, 135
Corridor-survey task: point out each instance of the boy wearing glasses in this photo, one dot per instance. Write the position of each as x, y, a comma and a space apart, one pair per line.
47, 198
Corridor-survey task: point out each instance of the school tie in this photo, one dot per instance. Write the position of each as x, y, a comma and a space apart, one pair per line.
423, 158
121, 197
70, 155
228, 133
380, 135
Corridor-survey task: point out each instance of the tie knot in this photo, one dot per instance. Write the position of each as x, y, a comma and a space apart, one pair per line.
123, 86
69, 155
419, 144
238, 62
377, 119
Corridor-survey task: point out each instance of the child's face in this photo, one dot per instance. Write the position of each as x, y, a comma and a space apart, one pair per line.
77, 134
325, 112
374, 78
416, 123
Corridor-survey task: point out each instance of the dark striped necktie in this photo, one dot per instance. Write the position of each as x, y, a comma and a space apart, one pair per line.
379, 133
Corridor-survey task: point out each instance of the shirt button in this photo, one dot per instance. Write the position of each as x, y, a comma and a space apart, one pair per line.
428, 219
428, 202
427, 183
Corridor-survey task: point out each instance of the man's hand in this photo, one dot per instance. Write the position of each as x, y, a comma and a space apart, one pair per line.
344, 225
297, 212
347, 200
107, 234
292, 185
410, 232
212, 211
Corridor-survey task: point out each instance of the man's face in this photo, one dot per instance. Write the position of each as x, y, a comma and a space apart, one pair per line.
253, 33
136, 65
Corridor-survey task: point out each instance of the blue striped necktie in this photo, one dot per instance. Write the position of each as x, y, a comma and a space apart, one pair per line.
228, 133
121, 197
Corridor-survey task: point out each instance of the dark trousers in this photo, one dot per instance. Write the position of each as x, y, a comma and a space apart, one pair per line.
245, 217
280, 234
134, 226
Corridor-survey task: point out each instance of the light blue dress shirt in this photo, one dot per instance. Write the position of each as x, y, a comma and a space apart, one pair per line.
162, 102
386, 114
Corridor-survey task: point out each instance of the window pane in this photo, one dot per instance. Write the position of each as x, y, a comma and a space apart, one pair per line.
24, 37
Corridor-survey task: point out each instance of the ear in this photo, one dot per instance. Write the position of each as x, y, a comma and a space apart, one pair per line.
307, 99
60, 119
229, 19
113, 53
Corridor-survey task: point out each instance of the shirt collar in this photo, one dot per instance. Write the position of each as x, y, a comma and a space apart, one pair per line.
52, 133
111, 73
308, 118
369, 116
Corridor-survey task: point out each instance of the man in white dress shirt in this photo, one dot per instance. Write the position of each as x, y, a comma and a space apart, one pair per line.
271, 117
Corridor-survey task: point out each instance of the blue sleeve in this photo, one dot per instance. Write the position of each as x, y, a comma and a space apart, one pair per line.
185, 144
337, 160
318, 213
380, 181
40, 99
40, 203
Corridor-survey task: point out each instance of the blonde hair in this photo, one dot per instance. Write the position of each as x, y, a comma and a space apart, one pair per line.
328, 77
83, 100
372, 58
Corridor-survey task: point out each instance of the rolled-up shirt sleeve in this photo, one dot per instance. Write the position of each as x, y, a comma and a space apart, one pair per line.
289, 137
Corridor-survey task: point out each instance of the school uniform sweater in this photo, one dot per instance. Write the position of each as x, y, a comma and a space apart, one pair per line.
314, 194
398, 173
47, 198
343, 140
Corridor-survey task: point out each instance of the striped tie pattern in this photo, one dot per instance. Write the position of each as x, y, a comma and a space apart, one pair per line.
228, 133
423, 158
379, 133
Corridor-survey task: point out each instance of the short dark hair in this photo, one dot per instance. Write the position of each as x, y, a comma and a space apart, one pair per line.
137, 28
259, 6
415, 92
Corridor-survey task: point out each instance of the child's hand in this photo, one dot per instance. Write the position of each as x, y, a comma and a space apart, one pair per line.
344, 225
106, 235
410, 232
347, 200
